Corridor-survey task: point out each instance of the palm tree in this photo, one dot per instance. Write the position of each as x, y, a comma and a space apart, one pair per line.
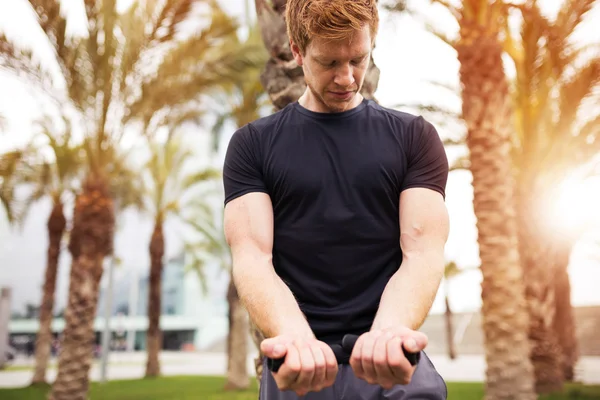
111, 84
486, 110
546, 146
244, 99
450, 271
551, 76
211, 247
169, 186
54, 179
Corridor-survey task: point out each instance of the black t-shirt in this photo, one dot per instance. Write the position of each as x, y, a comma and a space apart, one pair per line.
335, 181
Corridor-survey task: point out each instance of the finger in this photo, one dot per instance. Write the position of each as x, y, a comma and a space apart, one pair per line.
367, 357
420, 338
320, 371
355, 359
380, 361
307, 370
399, 365
290, 370
273, 348
331, 365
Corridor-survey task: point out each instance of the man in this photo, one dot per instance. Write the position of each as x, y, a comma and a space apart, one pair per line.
335, 215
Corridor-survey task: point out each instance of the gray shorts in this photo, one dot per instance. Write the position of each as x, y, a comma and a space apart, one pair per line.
426, 384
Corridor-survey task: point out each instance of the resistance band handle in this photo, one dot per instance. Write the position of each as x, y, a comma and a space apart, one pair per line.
342, 353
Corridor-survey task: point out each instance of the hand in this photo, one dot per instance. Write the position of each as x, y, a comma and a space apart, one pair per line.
378, 359
309, 366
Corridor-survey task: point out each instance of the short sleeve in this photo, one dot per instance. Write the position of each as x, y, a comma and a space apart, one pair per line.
427, 164
242, 168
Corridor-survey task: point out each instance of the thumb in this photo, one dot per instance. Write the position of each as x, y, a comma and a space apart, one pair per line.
415, 342
273, 348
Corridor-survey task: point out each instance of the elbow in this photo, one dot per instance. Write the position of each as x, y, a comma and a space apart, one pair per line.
249, 264
412, 239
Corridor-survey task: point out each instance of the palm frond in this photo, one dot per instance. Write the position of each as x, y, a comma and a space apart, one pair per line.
213, 238
208, 174
201, 63
125, 185
574, 91
448, 6
197, 256
451, 270
22, 63
462, 162
9, 163
147, 26
569, 17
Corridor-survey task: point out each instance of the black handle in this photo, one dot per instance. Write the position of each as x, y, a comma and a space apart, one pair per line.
342, 353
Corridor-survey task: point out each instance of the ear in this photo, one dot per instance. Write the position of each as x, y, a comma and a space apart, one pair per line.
296, 53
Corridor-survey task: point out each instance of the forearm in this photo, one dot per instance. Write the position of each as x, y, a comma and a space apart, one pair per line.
410, 292
269, 302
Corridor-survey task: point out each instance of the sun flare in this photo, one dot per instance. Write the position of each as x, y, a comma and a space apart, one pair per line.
577, 204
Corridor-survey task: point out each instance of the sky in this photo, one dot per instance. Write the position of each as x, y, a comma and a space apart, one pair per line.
409, 59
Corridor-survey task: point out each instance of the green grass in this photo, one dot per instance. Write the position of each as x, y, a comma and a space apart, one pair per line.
211, 388
474, 391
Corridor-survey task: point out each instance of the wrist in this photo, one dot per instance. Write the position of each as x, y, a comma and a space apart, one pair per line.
294, 331
384, 324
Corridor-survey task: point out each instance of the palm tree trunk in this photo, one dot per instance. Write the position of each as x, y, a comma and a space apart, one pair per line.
564, 319
91, 241
237, 342
538, 276
154, 336
486, 111
449, 330
56, 228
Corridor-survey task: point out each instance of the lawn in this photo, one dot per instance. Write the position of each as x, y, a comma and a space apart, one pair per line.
210, 388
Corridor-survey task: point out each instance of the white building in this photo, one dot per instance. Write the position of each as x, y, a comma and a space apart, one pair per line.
190, 317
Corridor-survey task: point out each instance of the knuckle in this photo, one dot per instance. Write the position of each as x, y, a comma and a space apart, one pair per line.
295, 368
308, 369
380, 359
320, 365
395, 363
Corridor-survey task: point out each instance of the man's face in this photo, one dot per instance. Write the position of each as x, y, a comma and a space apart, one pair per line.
334, 71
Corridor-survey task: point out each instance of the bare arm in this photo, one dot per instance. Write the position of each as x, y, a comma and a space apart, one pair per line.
248, 225
410, 293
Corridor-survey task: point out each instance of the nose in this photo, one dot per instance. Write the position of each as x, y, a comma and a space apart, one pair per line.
344, 76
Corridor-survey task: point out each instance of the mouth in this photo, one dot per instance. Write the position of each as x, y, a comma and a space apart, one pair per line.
342, 95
